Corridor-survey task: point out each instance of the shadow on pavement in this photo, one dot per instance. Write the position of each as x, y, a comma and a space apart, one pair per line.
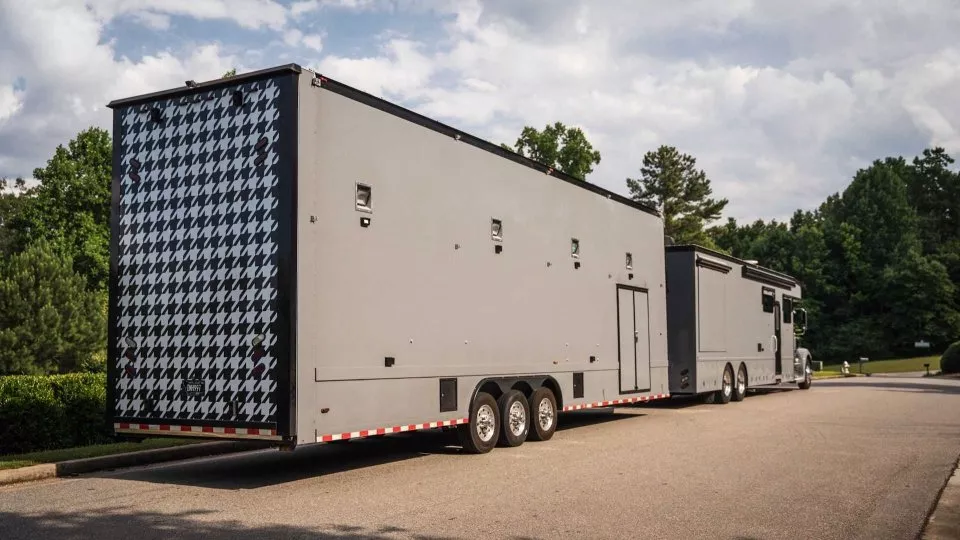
193, 525
594, 417
272, 467
903, 385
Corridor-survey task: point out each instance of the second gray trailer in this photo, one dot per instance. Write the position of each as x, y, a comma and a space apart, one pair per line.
732, 325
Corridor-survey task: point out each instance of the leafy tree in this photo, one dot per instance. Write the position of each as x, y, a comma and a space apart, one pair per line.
231, 73
920, 295
11, 205
71, 206
934, 191
563, 148
876, 204
671, 182
49, 321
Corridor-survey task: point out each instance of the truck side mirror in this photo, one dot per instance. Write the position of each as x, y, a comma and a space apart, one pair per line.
800, 320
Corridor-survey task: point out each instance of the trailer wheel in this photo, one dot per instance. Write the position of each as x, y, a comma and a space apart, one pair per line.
806, 382
740, 388
726, 386
543, 410
480, 435
515, 415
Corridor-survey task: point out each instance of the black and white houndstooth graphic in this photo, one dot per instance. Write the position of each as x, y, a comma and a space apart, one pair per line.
197, 260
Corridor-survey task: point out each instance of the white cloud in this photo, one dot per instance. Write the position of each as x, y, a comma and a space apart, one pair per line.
313, 41
69, 74
293, 37
401, 72
11, 101
305, 6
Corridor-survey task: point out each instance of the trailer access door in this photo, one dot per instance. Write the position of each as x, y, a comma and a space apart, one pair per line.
634, 333
202, 259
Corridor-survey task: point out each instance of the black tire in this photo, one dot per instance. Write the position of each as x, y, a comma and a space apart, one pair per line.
542, 428
725, 394
740, 384
806, 382
514, 418
485, 420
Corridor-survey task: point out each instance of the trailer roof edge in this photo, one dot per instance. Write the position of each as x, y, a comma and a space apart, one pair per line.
206, 85
731, 258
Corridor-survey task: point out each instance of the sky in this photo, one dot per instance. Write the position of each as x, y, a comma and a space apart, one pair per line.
780, 102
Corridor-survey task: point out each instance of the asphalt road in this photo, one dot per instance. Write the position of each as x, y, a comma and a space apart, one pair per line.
847, 459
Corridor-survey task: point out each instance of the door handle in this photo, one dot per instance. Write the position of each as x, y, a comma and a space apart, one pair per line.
636, 336
776, 344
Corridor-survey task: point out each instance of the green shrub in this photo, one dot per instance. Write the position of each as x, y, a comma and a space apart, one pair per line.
950, 361
96, 363
45, 412
83, 397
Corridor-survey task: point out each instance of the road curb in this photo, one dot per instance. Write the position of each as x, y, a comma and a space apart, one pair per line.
943, 520
119, 461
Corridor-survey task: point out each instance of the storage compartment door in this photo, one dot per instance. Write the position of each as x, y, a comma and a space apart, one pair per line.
641, 310
628, 350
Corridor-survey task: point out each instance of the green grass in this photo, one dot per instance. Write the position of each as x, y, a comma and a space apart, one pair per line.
889, 366
15, 461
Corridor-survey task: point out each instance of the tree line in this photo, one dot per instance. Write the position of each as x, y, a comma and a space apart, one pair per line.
879, 262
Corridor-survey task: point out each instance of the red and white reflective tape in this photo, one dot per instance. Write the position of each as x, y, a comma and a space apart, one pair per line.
389, 430
624, 401
167, 429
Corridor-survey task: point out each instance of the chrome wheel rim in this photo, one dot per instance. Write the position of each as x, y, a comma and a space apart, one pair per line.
741, 382
545, 414
517, 418
727, 383
486, 425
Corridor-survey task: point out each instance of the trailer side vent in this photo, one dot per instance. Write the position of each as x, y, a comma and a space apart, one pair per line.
237, 98
364, 198
448, 395
155, 115
389, 361
496, 230
577, 385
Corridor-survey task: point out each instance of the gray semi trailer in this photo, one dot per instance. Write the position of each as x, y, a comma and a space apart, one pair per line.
732, 325
296, 261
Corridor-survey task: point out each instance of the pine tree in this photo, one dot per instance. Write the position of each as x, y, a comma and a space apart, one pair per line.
49, 321
672, 183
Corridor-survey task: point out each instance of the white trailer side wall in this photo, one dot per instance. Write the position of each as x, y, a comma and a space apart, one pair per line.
422, 283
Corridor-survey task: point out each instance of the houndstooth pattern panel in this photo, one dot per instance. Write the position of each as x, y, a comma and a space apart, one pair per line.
197, 259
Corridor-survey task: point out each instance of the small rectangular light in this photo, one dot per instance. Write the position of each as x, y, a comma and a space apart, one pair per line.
574, 248
629, 261
496, 229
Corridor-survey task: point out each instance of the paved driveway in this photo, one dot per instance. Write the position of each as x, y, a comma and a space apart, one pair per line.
854, 458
